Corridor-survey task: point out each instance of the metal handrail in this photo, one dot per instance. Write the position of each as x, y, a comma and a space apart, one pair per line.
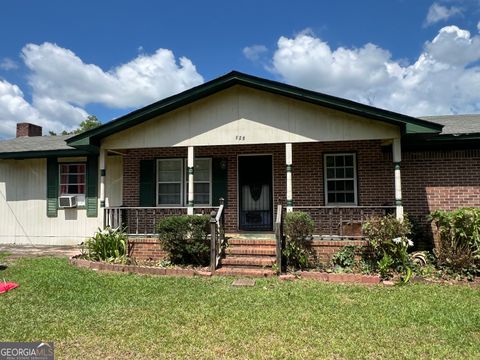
279, 236
217, 235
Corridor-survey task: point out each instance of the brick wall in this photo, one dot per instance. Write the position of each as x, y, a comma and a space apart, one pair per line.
439, 180
374, 175
143, 249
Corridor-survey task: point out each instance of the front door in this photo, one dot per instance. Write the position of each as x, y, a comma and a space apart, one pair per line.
255, 192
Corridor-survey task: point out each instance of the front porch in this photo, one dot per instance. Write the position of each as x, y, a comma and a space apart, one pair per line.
341, 184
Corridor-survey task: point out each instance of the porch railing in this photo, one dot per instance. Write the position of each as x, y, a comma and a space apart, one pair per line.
342, 222
217, 234
143, 220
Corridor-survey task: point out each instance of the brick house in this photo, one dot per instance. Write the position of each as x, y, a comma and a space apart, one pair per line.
257, 144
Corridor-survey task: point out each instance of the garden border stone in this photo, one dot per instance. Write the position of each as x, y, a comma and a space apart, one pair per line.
150, 270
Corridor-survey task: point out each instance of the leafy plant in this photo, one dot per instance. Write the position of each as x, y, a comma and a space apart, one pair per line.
345, 258
457, 240
298, 227
109, 244
389, 241
385, 265
184, 238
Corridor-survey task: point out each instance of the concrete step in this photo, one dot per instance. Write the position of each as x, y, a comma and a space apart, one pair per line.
249, 242
235, 271
251, 250
248, 261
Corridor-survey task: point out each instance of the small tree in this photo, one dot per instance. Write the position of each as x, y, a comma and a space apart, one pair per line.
90, 122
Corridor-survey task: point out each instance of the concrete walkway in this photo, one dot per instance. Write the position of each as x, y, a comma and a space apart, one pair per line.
16, 251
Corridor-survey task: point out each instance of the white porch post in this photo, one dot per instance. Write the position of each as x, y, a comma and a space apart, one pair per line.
397, 159
103, 173
191, 167
288, 162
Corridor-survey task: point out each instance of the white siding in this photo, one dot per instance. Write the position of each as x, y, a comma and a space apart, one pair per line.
23, 208
114, 180
241, 115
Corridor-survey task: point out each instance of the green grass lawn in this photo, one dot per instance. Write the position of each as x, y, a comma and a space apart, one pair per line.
92, 315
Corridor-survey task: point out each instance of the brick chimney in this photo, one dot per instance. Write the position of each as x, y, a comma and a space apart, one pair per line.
27, 129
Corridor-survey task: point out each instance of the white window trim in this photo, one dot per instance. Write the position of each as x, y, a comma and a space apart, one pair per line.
80, 196
182, 180
325, 180
184, 183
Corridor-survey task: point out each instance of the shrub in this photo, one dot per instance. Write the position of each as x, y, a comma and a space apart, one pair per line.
389, 241
298, 226
107, 245
457, 243
185, 239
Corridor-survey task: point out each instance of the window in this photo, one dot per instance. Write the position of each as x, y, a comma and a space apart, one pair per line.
340, 179
172, 173
72, 180
170, 179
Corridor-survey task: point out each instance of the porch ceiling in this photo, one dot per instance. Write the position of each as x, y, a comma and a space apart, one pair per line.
404, 123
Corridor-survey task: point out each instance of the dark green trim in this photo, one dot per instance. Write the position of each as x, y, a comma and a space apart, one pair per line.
219, 180
396, 165
440, 142
407, 124
103, 172
91, 196
191, 170
289, 202
398, 202
147, 183
43, 154
289, 168
52, 187
102, 203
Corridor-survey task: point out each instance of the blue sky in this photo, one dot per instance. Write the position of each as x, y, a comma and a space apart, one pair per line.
61, 60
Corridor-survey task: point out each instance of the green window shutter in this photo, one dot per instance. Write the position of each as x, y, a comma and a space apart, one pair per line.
91, 198
219, 180
52, 187
147, 189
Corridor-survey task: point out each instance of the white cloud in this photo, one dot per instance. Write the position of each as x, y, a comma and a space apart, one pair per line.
438, 12
51, 114
58, 73
8, 64
444, 79
62, 84
254, 52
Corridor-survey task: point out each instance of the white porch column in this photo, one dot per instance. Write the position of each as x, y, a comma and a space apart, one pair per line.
397, 159
103, 173
288, 162
191, 167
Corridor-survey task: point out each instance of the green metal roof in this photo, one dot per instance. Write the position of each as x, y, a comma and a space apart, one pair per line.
408, 124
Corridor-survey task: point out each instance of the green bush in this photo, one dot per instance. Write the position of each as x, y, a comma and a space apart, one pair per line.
298, 227
389, 241
458, 239
345, 258
185, 240
107, 245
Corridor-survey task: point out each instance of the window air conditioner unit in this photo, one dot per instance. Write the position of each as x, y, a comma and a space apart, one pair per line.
67, 201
